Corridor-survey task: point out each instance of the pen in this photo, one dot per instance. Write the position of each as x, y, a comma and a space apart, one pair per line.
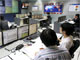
27, 55
10, 57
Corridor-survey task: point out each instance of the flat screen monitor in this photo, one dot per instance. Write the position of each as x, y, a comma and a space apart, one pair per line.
52, 8
23, 32
0, 38
9, 6
26, 21
35, 8
32, 29
25, 5
4, 25
17, 21
9, 36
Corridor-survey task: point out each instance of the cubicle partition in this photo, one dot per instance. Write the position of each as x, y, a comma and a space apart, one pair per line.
23, 31
0, 38
32, 29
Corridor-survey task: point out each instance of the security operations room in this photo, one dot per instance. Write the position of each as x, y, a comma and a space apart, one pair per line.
39, 29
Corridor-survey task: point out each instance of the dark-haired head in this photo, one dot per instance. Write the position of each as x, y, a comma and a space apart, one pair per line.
76, 16
48, 37
67, 28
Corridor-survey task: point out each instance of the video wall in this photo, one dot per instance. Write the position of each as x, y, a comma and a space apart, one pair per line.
53, 7
9, 6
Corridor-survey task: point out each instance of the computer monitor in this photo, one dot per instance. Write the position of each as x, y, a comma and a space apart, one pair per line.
0, 38
4, 25
17, 21
22, 32
62, 18
26, 21
9, 36
32, 29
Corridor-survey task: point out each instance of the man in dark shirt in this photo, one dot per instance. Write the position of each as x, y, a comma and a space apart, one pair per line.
49, 18
76, 20
30, 15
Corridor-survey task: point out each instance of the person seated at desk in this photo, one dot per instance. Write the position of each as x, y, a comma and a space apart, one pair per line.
76, 20
49, 18
52, 51
30, 15
67, 40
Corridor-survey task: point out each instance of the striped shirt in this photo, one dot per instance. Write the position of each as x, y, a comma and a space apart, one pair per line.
53, 53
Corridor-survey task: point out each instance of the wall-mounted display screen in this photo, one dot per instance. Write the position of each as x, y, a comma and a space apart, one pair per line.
32, 29
53, 7
25, 5
0, 39
74, 7
9, 36
22, 32
35, 8
9, 6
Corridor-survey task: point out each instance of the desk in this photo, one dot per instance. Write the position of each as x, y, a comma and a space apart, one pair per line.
40, 19
30, 50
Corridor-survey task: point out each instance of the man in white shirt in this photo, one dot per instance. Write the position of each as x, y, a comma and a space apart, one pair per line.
52, 52
67, 40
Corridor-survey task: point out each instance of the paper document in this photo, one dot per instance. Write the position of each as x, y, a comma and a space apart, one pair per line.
19, 56
5, 58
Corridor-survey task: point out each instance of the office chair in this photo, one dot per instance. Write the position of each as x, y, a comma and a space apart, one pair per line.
46, 23
77, 30
74, 48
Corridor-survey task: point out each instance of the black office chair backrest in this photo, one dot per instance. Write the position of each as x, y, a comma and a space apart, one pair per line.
74, 48
61, 18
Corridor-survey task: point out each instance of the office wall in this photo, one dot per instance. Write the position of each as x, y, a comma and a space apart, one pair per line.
41, 3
